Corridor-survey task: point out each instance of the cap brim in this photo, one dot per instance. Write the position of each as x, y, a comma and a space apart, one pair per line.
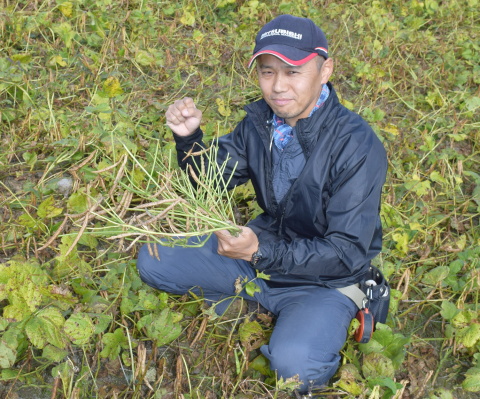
289, 55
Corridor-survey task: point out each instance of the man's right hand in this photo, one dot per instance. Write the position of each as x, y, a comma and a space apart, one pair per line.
183, 117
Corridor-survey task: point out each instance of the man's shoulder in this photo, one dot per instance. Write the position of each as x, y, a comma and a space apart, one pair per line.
259, 108
353, 128
356, 143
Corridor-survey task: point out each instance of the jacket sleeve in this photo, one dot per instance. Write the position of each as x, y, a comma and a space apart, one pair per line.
231, 149
352, 214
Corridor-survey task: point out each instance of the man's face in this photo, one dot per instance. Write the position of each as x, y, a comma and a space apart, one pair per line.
291, 91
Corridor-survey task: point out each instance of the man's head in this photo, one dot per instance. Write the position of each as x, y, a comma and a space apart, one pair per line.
292, 65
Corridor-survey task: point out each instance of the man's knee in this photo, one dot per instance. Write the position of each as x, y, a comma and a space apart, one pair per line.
145, 264
292, 358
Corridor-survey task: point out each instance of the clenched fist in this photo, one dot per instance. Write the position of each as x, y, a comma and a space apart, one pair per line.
241, 247
183, 117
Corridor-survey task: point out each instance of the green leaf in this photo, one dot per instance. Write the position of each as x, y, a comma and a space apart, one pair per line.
19, 283
377, 365
144, 58
56, 60
102, 107
77, 202
388, 383
349, 376
289, 384
3, 324
47, 209
126, 306
111, 87
30, 158
7, 355
113, 343
23, 58
164, 328
188, 18
144, 321
402, 241
378, 115
354, 324
469, 335
66, 32
386, 342
252, 335
441, 393
472, 380
263, 275
472, 103
436, 275
262, 365
449, 310
45, 328
437, 177
251, 288
66, 8
27, 221
52, 353
395, 297
34, 331
64, 371
88, 240
79, 328
464, 318
138, 176
8, 374
103, 323
146, 301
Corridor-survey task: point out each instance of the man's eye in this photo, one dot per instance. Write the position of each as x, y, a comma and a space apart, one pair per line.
292, 72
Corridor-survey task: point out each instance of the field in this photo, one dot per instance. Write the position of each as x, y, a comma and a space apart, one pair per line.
84, 83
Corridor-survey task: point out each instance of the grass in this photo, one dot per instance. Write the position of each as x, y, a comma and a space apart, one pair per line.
82, 83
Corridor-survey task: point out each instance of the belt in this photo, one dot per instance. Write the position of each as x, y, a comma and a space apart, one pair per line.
355, 294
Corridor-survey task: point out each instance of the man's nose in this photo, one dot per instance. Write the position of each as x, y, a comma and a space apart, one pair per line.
279, 84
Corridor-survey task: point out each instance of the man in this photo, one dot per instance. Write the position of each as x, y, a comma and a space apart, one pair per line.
318, 171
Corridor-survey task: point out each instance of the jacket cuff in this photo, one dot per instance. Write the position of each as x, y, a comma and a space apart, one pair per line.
185, 143
265, 261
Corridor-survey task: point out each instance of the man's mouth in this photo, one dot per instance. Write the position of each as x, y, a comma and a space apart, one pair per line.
281, 101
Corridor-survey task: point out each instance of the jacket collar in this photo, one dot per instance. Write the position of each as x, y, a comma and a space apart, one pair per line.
308, 129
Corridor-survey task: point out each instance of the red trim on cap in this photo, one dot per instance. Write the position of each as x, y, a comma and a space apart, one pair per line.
321, 48
282, 57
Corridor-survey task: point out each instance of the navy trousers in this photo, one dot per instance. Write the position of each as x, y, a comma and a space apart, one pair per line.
312, 321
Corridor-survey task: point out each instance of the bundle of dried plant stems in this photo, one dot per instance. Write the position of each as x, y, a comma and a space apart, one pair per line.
164, 207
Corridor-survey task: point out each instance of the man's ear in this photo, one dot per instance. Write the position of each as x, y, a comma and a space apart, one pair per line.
327, 70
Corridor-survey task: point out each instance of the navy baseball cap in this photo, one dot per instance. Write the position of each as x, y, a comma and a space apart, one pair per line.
294, 40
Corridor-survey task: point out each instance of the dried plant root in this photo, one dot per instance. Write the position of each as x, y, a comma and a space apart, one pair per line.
162, 214
109, 167
155, 250
172, 226
120, 174
84, 226
56, 234
133, 243
84, 162
150, 251
126, 204
143, 206
196, 178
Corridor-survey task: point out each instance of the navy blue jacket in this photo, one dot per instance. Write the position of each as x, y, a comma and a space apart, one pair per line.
327, 228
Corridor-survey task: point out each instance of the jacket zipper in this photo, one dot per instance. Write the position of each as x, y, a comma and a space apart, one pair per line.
289, 193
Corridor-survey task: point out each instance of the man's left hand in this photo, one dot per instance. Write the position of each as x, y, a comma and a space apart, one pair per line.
241, 247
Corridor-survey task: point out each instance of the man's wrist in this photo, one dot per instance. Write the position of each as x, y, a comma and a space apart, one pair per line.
256, 256
190, 138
